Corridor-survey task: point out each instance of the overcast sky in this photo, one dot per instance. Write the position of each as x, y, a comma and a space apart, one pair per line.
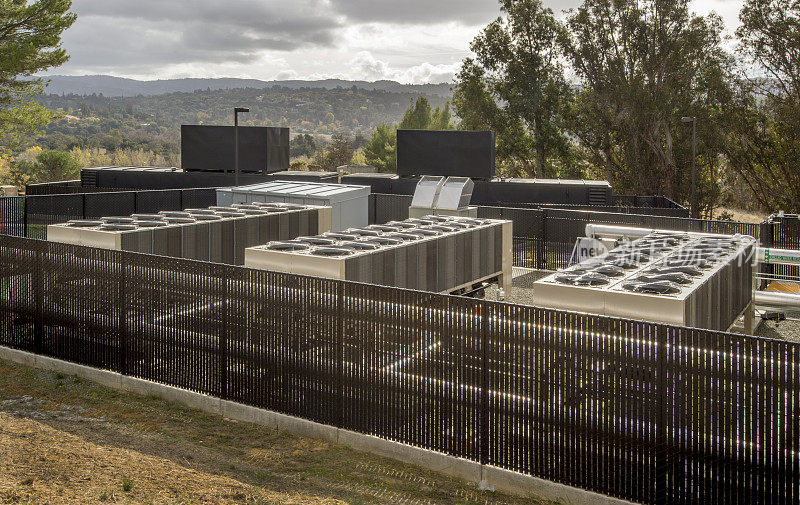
411, 41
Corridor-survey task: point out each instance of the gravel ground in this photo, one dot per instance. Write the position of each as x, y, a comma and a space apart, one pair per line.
522, 294
521, 287
783, 330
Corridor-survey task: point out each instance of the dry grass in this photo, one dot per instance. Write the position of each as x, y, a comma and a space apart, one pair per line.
66, 440
46, 465
743, 216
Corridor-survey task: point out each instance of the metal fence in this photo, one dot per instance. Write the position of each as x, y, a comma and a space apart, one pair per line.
642, 411
12, 215
645, 201
28, 216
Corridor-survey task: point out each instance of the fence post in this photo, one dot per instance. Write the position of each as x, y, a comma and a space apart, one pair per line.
340, 354
25, 216
123, 316
37, 278
540, 256
83, 205
223, 340
484, 410
767, 239
662, 450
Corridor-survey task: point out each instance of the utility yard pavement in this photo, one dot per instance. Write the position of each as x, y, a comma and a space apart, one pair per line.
67, 440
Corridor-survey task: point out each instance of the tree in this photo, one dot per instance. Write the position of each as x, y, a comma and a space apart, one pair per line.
516, 85
302, 145
339, 152
644, 64
440, 119
359, 141
48, 166
30, 38
765, 130
418, 116
380, 150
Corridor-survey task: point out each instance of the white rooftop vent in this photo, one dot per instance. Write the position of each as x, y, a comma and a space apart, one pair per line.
427, 193
440, 196
455, 194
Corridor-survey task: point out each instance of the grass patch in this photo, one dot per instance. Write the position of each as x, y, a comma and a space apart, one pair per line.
151, 450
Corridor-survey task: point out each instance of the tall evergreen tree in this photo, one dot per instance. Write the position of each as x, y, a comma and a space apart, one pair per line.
645, 64
30, 41
516, 86
764, 141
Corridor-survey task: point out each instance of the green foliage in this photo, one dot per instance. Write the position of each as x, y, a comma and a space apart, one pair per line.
380, 150
339, 152
49, 166
127, 484
420, 116
30, 37
516, 87
764, 130
56, 166
645, 64
152, 123
302, 145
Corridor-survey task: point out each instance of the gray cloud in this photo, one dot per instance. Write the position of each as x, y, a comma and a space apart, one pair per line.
131, 34
151, 37
468, 12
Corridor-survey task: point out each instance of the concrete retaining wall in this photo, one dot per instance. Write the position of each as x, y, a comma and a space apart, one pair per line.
487, 477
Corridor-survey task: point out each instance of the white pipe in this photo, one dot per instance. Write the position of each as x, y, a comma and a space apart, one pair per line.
776, 299
615, 231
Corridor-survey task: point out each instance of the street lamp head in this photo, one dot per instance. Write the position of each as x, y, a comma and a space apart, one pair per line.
687, 119
241, 109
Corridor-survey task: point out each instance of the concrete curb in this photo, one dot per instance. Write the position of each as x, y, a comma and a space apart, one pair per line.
486, 476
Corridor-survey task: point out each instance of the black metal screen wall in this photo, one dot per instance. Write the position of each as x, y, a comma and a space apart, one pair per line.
65, 187
642, 411
384, 207
12, 215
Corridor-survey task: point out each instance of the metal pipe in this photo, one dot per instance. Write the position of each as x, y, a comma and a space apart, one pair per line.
776, 299
615, 231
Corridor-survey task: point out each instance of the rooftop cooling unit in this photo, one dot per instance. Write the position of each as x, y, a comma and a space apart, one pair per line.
349, 204
443, 254
217, 234
703, 282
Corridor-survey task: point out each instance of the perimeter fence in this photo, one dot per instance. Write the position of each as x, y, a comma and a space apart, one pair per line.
647, 412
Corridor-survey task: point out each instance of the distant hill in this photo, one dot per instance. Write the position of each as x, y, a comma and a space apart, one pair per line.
118, 86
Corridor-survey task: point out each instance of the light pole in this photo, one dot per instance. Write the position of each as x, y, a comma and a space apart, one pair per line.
693, 120
236, 112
